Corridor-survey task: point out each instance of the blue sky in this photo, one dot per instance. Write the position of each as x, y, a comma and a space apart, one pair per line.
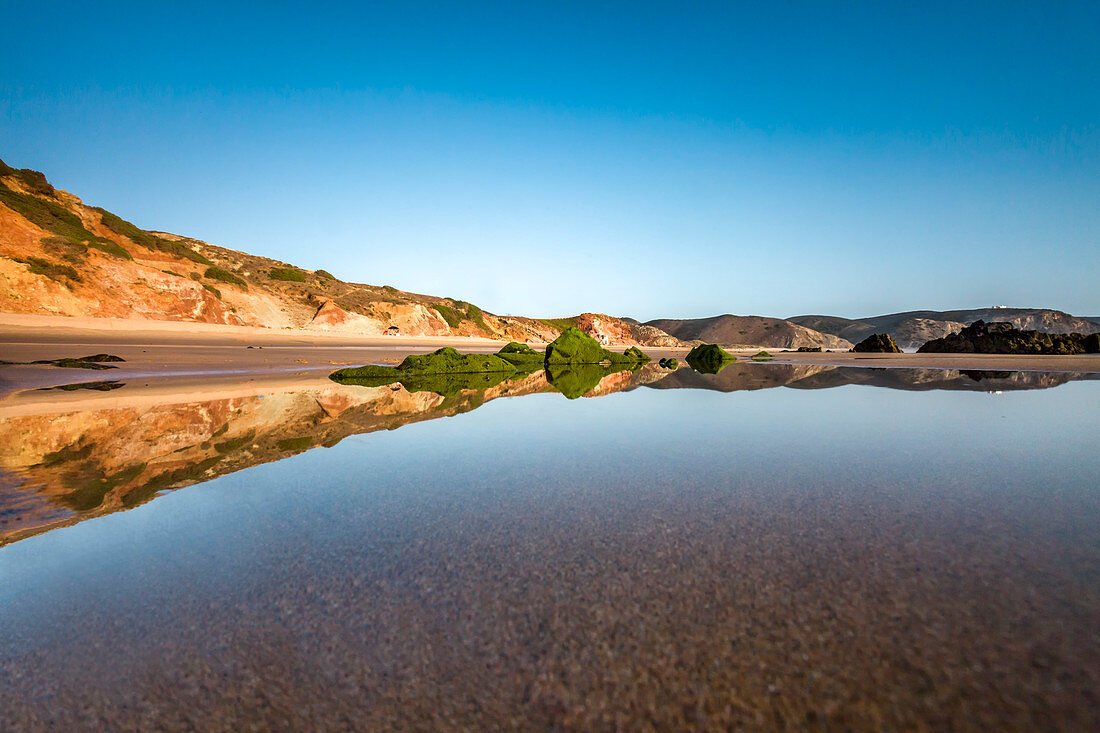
654, 160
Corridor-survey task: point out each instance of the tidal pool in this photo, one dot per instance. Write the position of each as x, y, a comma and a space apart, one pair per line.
764, 547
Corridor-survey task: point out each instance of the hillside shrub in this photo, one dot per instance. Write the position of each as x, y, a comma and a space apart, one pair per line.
34, 180
108, 247
474, 314
118, 225
53, 270
225, 276
49, 215
287, 274
450, 315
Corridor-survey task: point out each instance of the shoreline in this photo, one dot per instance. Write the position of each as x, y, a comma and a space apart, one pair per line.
155, 350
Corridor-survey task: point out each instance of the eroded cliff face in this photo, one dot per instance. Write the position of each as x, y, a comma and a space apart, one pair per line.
916, 331
61, 257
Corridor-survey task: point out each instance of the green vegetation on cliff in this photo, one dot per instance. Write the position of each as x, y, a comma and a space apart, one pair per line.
225, 276
118, 225
455, 316
33, 180
47, 214
108, 247
287, 274
709, 358
53, 270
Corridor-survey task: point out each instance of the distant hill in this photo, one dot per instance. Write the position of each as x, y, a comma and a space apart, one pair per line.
59, 256
913, 328
734, 331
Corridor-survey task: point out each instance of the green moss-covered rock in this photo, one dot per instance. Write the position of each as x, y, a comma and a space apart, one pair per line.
574, 346
761, 355
521, 354
631, 355
444, 372
449, 361
709, 358
577, 380
877, 343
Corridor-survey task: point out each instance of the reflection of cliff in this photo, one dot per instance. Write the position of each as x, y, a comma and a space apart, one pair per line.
747, 376
124, 447
78, 465
739, 376
970, 380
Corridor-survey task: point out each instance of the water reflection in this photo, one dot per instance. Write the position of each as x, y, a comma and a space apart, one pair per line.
118, 448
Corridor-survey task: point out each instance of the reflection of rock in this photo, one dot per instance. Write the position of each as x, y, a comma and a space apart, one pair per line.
88, 463
877, 343
738, 376
970, 380
1003, 338
577, 380
444, 371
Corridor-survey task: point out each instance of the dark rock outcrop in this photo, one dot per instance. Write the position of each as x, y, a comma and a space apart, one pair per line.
1003, 338
878, 343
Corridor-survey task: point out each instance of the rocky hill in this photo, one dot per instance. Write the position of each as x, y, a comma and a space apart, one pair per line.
749, 331
59, 256
911, 329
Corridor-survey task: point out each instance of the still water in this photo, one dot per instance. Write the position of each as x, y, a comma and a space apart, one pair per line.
765, 547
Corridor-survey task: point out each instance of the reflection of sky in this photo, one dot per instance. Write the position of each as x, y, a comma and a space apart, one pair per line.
543, 454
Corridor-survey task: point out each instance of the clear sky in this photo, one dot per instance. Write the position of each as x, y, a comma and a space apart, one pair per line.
647, 159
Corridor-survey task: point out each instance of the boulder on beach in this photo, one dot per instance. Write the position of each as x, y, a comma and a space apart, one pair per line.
635, 355
516, 354
574, 346
709, 358
878, 343
442, 361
